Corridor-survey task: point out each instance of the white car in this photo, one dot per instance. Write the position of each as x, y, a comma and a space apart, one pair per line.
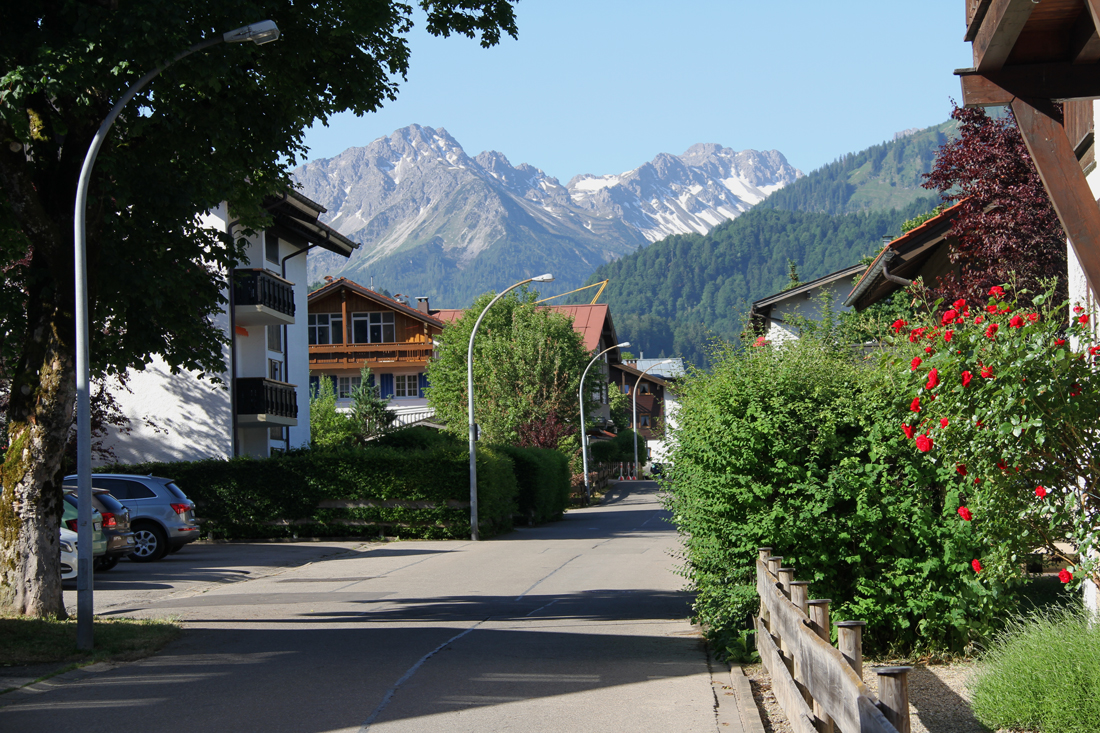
68, 554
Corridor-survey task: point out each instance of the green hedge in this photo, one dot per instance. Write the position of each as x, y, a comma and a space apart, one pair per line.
543, 479
411, 493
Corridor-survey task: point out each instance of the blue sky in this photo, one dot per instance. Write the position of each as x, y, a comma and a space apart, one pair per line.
602, 86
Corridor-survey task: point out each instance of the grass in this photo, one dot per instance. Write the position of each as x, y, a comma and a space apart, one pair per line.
33, 641
1041, 673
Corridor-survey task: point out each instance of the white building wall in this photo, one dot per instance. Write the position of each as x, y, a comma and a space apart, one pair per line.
297, 340
781, 322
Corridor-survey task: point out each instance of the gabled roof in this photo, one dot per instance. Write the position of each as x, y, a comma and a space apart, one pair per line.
806, 288
300, 215
904, 257
674, 369
343, 283
650, 377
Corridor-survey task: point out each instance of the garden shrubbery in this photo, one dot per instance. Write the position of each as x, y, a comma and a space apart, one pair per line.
417, 486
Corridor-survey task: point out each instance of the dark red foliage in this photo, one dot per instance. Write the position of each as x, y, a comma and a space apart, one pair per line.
545, 433
1006, 223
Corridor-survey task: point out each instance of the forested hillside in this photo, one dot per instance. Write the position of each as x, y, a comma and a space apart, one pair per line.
674, 296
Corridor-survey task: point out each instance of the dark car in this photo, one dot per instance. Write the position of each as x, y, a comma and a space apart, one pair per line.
161, 516
116, 526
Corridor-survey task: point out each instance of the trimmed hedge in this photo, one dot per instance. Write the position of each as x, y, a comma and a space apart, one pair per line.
543, 478
346, 492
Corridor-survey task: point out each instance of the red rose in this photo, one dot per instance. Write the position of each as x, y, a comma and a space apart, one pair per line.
948, 317
1083, 319
976, 565
898, 325
924, 443
914, 364
908, 430
1059, 342
1040, 492
947, 336
997, 291
987, 372
1006, 309
1093, 350
965, 514
960, 469
960, 304
943, 422
1075, 390
991, 309
967, 376
1033, 317
916, 334
928, 349
991, 330
1078, 309
914, 406
978, 320
1002, 465
1064, 575
1016, 322
933, 379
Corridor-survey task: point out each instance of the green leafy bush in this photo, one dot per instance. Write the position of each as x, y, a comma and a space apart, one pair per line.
1042, 673
797, 447
416, 493
543, 477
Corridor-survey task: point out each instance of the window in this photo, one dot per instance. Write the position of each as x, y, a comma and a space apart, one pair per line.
346, 385
275, 370
325, 328
626, 388
122, 489
406, 385
277, 432
271, 249
373, 328
645, 421
274, 338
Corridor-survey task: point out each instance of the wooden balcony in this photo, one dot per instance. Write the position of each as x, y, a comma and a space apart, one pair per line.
265, 403
262, 298
360, 355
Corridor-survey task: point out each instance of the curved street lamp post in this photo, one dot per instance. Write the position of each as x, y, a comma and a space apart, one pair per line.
259, 33
635, 416
584, 433
474, 534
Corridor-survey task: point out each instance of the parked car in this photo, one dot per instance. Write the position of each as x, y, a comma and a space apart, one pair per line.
68, 554
161, 516
116, 526
69, 520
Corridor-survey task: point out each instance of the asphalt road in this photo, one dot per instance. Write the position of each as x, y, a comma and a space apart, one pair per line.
578, 625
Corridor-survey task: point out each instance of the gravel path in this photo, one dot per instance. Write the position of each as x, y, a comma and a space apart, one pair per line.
938, 699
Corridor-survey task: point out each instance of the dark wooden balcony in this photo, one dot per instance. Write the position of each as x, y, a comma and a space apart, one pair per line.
360, 355
262, 298
265, 402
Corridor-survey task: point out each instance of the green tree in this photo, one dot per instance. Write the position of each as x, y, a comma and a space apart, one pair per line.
222, 125
370, 414
527, 367
620, 406
328, 427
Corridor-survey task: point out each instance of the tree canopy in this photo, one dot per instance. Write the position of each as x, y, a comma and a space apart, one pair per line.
225, 124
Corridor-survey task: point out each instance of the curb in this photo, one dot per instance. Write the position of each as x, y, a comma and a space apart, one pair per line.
19, 694
750, 714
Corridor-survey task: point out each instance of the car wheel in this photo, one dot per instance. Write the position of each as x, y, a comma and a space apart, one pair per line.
105, 563
150, 543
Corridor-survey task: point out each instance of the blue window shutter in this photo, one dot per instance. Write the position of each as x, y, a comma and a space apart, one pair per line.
423, 382
387, 386
370, 381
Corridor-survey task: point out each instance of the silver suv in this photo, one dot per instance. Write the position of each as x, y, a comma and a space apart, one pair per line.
161, 516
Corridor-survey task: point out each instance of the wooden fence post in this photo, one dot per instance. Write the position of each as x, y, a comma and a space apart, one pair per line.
800, 593
774, 563
765, 554
893, 692
786, 575
850, 642
819, 623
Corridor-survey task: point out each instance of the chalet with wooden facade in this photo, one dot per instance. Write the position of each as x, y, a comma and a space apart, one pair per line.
351, 327
657, 404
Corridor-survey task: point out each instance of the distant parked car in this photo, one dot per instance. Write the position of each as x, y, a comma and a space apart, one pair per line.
69, 520
161, 516
68, 554
116, 526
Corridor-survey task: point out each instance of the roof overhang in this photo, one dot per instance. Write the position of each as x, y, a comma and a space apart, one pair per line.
300, 215
344, 284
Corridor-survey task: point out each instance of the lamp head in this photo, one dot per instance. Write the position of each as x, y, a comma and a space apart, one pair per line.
623, 345
259, 33
547, 278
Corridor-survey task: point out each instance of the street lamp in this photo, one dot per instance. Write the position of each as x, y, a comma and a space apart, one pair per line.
259, 33
584, 433
474, 535
635, 417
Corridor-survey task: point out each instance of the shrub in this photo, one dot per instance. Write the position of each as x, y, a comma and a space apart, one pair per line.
1042, 673
419, 493
543, 479
796, 447
417, 437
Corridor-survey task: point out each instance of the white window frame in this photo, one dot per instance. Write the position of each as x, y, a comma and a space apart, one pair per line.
406, 385
346, 385
382, 319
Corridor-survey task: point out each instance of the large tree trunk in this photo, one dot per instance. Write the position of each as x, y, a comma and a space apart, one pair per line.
43, 392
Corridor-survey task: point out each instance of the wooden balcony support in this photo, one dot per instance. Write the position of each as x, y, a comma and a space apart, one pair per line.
359, 355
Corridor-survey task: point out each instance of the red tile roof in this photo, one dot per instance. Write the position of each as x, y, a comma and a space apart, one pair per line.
588, 320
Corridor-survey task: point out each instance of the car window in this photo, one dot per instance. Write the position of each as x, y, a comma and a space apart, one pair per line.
123, 489
110, 503
176, 491
70, 509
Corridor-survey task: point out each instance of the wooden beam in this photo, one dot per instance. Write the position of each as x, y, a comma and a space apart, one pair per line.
998, 32
1084, 41
1064, 181
1058, 82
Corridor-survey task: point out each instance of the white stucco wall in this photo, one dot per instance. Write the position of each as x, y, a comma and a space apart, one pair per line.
780, 322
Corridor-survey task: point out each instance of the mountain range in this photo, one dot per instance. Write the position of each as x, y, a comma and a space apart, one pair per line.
431, 220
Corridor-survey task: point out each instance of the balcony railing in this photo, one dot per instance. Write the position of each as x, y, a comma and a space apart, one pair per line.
266, 402
262, 298
359, 354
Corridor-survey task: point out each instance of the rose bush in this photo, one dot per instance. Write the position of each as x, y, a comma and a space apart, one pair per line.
1022, 435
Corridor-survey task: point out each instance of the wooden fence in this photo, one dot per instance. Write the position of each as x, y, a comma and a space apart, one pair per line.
817, 684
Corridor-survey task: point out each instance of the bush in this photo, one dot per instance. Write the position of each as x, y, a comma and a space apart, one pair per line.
1042, 673
796, 447
418, 493
417, 437
543, 480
